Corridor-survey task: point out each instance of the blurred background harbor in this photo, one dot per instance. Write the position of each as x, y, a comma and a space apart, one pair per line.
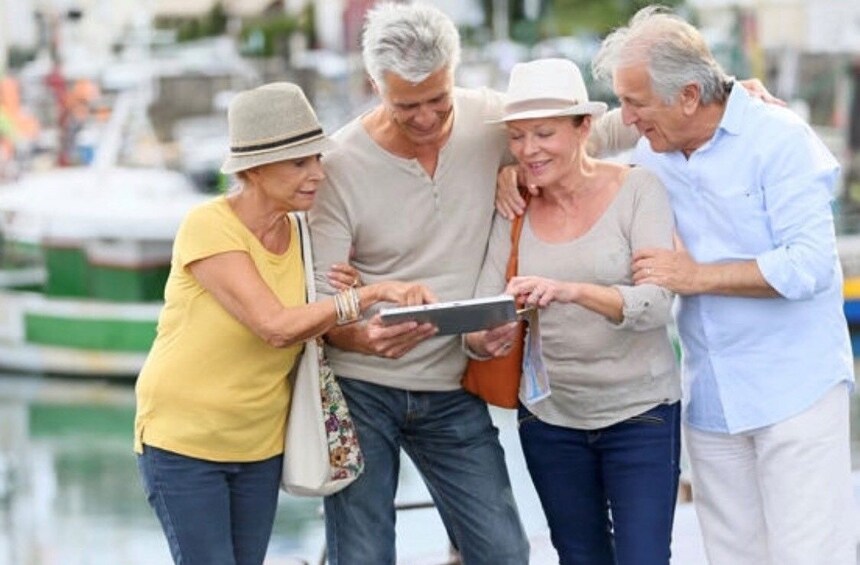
112, 125
70, 495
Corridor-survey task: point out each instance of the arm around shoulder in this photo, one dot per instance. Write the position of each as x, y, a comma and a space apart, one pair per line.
609, 135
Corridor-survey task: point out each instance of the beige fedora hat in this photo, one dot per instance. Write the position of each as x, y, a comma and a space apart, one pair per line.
270, 123
547, 88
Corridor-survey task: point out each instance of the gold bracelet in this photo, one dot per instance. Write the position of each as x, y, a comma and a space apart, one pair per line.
355, 302
347, 306
339, 309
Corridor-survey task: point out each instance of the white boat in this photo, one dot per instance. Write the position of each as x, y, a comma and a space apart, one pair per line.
84, 258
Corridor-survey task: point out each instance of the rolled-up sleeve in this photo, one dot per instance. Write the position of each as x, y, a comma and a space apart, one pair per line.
646, 307
798, 187
652, 224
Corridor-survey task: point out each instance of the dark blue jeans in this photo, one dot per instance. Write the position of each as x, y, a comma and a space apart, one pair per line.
608, 494
212, 513
452, 441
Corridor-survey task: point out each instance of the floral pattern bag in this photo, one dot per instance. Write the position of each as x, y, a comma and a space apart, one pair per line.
321, 450
345, 456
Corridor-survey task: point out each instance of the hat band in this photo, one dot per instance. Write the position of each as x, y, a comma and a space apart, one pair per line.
548, 104
278, 143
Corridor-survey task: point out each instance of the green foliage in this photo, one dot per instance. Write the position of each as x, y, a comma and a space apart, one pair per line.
526, 31
20, 56
269, 35
213, 24
596, 16
566, 17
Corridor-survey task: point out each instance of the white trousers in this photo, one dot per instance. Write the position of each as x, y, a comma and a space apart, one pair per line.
779, 495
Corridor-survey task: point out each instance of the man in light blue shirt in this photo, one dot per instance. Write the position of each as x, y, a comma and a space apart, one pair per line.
766, 353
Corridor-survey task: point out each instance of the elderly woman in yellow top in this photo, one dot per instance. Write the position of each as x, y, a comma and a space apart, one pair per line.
213, 396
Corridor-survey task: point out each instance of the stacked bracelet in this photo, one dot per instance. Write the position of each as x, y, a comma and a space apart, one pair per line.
347, 306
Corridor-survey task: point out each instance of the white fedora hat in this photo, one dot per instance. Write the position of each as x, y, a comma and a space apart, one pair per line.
271, 123
547, 88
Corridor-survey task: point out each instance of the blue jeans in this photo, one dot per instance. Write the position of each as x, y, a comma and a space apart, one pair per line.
212, 513
455, 446
608, 494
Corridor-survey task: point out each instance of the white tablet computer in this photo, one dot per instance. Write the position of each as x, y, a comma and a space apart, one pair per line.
457, 316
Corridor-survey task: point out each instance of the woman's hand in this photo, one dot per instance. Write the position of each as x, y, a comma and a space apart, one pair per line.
403, 293
497, 341
342, 276
539, 291
373, 337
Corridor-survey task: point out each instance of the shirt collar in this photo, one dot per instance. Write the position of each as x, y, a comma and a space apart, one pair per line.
736, 106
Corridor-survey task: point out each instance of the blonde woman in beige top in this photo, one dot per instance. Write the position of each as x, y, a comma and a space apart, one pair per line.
602, 448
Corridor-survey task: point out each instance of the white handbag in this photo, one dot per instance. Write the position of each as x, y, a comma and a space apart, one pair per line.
321, 450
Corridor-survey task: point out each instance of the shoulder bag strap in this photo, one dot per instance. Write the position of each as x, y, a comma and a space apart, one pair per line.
307, 255
516, 230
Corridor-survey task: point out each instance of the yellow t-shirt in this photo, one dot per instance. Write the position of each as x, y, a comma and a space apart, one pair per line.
210, 388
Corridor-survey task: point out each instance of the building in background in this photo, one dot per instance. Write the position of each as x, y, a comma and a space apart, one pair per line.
808, 52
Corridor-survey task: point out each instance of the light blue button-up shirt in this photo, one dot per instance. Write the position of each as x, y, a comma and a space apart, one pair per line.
761, 189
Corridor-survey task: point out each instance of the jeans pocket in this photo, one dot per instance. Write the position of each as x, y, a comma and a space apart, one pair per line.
653, 417
647, 419
524, 416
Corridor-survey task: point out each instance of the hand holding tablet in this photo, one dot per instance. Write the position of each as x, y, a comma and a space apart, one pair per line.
457, 316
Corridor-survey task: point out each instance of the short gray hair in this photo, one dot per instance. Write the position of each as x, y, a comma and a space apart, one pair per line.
673, 50
411, 41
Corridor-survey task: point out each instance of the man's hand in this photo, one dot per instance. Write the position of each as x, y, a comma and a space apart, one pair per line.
509, 203
342, 276
677, 271
373, 337
757, 90
393, 341
674, 269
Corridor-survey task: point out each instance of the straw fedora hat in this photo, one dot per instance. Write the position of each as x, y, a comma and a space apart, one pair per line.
547, 88
271, 123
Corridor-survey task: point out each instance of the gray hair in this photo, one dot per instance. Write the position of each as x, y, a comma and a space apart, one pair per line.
411, 41
673, 50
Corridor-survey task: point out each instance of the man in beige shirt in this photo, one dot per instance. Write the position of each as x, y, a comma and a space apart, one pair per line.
409, 194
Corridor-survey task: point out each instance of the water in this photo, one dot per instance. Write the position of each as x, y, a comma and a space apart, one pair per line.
69, 492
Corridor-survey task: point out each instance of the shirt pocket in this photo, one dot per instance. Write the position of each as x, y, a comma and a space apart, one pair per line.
738, 215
